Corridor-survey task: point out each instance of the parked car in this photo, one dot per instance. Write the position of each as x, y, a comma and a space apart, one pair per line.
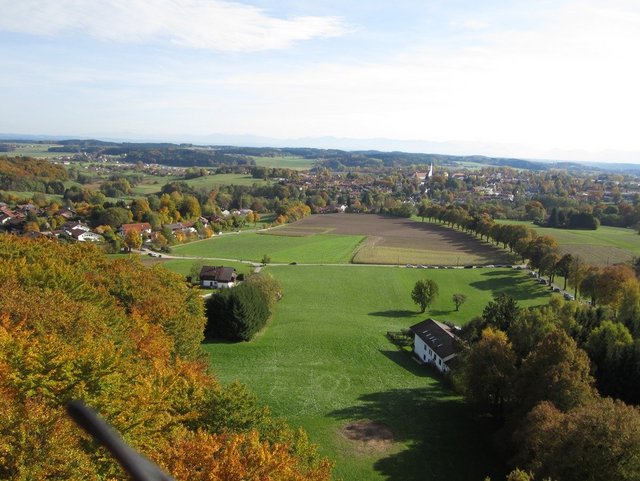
569, 297
542, 281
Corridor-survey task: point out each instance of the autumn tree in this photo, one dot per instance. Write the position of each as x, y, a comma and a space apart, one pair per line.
576, 274
590, 285
563, 267
133, 239
629, 309
487, 372
458, 299
539, 247
598, 440
501, 312
530, 327
269, 286
424, 293
556, 371
610, 282
140, 208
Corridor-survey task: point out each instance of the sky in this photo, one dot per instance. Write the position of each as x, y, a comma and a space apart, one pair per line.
530, 78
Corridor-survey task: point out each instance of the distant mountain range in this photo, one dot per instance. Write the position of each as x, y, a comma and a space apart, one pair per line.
478, 152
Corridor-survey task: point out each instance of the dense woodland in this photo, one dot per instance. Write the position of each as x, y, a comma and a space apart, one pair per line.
28, 174
126, 340
532, 371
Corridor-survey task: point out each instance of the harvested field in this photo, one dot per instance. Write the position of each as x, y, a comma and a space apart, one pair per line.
393, 240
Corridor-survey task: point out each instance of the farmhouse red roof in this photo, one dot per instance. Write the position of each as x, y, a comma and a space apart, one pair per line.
140, 227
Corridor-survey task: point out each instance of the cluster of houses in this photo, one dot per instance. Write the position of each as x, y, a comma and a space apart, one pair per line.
15, 219
17, 216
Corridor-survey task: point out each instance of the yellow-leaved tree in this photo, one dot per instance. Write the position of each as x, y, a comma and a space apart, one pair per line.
126, 340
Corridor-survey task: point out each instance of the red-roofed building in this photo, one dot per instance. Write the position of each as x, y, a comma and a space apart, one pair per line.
140, 227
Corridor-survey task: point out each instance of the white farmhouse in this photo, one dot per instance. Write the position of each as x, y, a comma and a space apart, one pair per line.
434, 343
217, 277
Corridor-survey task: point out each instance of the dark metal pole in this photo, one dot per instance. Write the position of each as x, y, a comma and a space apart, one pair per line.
138, 467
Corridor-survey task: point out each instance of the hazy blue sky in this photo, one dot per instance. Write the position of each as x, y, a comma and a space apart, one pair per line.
541, 74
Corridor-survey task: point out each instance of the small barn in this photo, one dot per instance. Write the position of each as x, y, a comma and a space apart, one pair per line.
434, 343
218, 277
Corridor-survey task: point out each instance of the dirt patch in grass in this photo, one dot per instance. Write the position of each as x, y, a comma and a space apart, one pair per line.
369, 435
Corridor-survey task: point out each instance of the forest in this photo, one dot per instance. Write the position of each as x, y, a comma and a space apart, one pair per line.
126, 340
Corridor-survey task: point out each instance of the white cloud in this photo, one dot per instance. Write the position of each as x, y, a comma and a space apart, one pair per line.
203, 24
570, 82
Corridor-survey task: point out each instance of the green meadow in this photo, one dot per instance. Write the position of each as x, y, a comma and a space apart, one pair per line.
324, 361
320, 248
33, 150
605, 245
152, 184
289, 162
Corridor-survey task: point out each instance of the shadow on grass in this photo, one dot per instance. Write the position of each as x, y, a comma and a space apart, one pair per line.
403, 359
219, 341
395, 313
502, 273
440, 312
509, 283
443, 440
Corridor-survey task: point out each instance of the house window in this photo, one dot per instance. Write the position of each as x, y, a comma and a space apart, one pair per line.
424, 357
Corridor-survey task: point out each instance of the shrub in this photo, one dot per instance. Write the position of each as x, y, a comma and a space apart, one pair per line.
237, 314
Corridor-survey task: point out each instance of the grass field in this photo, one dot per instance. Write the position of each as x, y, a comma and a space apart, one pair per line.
322, 248
34, 150
210, 181
606, 245
29, 194
289, 162
324, 362
152, 184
